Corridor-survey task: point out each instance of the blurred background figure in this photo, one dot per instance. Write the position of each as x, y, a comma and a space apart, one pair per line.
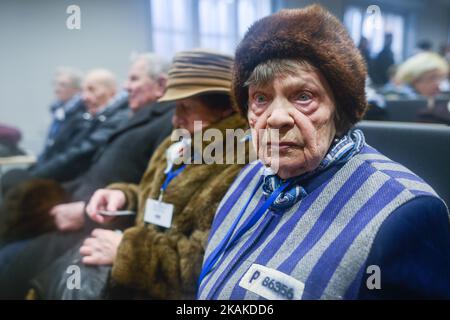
66, 111
383, 61
395, 89
68, 102
423, 72
132, 144
364, 49
424, 45
70, 151
106, 109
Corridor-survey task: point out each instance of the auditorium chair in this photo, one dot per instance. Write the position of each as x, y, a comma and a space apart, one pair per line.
422, 148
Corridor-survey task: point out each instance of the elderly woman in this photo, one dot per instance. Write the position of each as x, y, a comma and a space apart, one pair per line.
160, 257
423, 72
320, 214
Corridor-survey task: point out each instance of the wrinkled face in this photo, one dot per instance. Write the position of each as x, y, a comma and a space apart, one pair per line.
96, 94
428, 84
63, 88
299, 109
193, 109
141, 88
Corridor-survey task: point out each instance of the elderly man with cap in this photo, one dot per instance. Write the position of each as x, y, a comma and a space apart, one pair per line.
160, 257
321, 214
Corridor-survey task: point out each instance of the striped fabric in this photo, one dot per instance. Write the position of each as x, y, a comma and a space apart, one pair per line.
323, 240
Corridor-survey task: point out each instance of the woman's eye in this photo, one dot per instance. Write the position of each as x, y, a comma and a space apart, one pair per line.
304, 97
259, 98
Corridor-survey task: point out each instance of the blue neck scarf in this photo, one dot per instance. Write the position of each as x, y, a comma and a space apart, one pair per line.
342, 150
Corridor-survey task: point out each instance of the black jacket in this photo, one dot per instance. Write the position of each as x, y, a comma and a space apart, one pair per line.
68, 162
127, 152
70, 128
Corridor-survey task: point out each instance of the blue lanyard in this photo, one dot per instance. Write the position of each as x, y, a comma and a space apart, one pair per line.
225, 244
169, 177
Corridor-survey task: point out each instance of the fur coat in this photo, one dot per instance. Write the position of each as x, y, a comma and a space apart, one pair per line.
163, 263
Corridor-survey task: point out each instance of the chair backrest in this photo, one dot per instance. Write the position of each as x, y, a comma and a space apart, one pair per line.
422, 148
404, 110
408, 110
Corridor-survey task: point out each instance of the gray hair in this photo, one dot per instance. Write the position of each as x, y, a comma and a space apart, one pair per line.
157, 65
74, 75
266, 71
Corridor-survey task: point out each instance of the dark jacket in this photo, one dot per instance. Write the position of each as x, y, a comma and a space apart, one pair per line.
124, 157
67, 163
68, 130
412, 251
384, 60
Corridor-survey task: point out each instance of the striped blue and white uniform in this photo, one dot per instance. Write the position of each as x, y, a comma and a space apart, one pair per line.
321, 245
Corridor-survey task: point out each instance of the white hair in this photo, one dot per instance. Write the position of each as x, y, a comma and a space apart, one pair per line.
157, 65
417, 65
74, 75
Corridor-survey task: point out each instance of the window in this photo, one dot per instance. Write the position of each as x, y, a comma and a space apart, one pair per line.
172, 26
360, 23
216, 24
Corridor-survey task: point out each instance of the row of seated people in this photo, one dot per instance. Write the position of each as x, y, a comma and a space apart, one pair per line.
305, 201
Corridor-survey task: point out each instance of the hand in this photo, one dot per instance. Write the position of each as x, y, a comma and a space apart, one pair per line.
101, 247
68, 216
105, 199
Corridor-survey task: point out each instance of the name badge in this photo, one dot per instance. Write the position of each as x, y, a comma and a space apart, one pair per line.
158, 213
271, 284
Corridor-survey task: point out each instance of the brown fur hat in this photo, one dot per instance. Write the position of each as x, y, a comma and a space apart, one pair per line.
314, 35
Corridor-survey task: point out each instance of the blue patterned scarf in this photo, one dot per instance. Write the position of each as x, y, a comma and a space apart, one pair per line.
341, 151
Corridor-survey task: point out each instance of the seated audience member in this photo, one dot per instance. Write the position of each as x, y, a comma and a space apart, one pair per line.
394, 90
79, 138
66, 111
9, 141
106, 111
321, 214
133, 144
161, 259
423, 72
67, 122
